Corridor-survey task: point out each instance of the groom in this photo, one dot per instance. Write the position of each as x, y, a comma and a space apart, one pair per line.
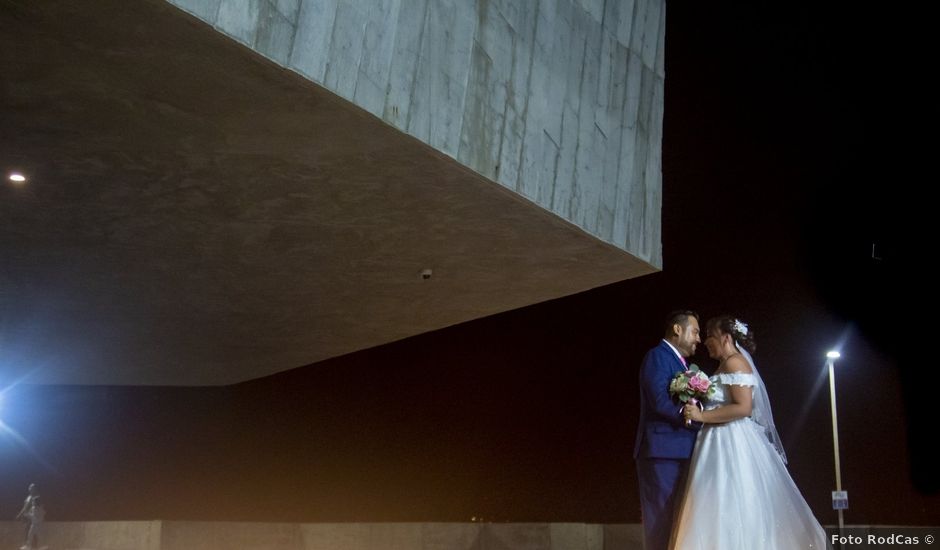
663, 442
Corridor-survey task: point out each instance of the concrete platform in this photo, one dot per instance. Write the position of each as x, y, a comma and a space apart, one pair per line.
184, 535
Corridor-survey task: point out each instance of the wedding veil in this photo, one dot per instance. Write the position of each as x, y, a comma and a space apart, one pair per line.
760, 408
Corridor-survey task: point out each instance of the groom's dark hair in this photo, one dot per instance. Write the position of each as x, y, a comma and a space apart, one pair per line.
678, 317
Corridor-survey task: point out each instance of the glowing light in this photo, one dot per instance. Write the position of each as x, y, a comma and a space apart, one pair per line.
16, 177
833, 355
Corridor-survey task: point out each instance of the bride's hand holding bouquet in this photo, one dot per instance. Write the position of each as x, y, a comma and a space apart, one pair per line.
690, 387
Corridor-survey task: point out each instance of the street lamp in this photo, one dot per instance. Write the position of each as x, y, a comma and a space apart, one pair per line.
840, 499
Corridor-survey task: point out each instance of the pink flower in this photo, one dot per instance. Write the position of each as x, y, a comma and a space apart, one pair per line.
691, 385
699, 384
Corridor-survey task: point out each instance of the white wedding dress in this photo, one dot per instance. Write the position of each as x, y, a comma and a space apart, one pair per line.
739, 494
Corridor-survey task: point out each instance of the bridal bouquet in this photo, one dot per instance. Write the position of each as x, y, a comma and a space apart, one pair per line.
691, 386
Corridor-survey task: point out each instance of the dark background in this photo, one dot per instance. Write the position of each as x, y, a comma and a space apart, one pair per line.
788, 151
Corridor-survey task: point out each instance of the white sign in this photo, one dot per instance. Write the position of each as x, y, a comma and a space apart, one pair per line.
840, 500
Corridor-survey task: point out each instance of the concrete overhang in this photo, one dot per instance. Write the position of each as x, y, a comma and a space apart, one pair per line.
196, 215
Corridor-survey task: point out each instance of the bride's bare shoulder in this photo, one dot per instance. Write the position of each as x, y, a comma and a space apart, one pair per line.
736, 363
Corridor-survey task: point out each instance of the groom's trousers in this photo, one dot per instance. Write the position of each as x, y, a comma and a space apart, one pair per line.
659, 481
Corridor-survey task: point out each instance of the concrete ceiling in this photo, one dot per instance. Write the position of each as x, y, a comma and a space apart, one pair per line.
195, 215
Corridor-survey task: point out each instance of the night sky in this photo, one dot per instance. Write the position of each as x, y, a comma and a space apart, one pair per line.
788, 151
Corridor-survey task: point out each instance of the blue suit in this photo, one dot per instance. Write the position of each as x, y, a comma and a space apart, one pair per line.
663, 444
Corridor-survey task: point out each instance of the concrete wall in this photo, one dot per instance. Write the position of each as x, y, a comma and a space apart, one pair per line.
560, 101
175, 535
90, 535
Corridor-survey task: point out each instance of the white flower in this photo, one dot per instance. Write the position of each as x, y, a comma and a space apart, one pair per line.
740, 327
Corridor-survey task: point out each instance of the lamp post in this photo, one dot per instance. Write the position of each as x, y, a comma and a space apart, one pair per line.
839, 499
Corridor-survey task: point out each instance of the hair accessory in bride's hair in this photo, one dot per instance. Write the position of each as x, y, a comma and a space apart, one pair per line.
740, 327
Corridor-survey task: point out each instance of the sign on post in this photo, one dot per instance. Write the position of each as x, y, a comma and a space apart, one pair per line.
840, 500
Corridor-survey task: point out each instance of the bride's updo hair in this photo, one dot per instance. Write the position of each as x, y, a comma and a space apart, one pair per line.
739, 331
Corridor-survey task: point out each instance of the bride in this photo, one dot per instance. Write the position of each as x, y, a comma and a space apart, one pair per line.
739, 494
